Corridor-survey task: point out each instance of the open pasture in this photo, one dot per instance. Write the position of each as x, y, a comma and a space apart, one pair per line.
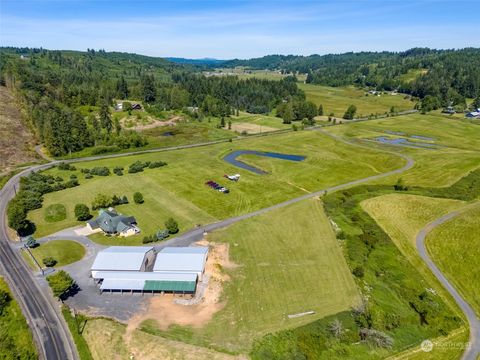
455, 248
457, 153
287, 261
337, 99
179, 190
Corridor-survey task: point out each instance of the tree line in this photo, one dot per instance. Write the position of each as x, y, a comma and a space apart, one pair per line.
68, 95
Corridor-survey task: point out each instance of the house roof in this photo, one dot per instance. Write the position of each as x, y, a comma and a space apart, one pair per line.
120, 258
111, 222
184, 259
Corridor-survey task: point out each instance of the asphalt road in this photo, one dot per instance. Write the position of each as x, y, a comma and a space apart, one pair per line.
43, 316
48, 325
472, 352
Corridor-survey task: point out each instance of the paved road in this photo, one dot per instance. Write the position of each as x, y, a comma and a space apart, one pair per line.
42, 313
473, 351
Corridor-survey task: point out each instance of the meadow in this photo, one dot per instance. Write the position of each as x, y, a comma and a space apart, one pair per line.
337, 99
455, 248
178, 189
457, 155
16, 339
280, 255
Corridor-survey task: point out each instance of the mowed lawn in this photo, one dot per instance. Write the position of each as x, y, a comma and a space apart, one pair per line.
458, 155
63, 251
178, 189
288, 261
338, 99
455, 248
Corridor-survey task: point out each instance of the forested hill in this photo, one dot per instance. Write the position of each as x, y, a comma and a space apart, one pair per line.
418, 71
68, 95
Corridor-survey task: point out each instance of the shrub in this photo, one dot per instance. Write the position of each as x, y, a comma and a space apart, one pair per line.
58, 179
82, 212
49, 261
31, 242
104, 149
156, 164
88, 176
162, 234
4, 300
65, 166
359, 272
149, 239
138, 198
124, 200
17, 216
71, 183
137, 166
400, 186
100, 171
118, 170
61, 284
172, 226
101, 201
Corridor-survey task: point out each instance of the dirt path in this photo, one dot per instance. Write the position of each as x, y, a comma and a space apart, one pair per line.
158, 123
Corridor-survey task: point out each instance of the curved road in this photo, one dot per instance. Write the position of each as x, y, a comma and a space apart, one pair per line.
472, 352
47, 323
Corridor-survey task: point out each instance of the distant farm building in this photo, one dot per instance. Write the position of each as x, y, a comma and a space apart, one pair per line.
112, 223
140, 269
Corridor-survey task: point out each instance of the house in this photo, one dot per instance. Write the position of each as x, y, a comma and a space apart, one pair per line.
122, 258
136, 106
112, 223
473, 114
449, 110
182, 260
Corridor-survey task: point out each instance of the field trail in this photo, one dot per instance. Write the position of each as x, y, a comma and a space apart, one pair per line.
166, 312
158, 123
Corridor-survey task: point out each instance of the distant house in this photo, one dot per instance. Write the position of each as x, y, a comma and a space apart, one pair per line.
119, 106
449, 110
136, 106
192, 109
112, 223
473, 114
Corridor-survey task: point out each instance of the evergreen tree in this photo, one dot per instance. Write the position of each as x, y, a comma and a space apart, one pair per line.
105, 118
122, 88
320, 110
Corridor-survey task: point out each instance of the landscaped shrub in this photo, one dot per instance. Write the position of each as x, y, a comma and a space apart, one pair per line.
82, 212
118, 170
100, 171
71, 183
162, 234
149, 239
156, 164
4, 300
58, 179
137, 166
88, 176
62, 284
49, 261
138, 198
101, 201
172, 226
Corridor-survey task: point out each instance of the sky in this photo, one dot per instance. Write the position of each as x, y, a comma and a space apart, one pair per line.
239, 29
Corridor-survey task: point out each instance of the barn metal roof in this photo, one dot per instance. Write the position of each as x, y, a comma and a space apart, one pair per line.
184, 259
142, 275
121, 258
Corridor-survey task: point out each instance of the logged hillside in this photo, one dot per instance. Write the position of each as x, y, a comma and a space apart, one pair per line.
69, 95
449, 75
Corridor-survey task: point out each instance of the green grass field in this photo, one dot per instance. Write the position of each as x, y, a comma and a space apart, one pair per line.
64, 251
16, 339
178, 189
289, 261
455, 248
338, 99
55, 212
440, 167
258, 119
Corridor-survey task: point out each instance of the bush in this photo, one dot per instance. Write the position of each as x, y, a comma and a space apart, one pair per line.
359, 272
65, 166
82, 212
101, 201
17, 216
100, 171
49, 261
61, 284
149, 239
156, 164
31, 242
118, 170
104, 149
162, 234
88, 176
138, 198
4, 300
137, 166
400, 186
172, 226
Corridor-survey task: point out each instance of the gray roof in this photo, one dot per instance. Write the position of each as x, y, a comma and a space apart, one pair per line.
184, 259
111, 222
121, 258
